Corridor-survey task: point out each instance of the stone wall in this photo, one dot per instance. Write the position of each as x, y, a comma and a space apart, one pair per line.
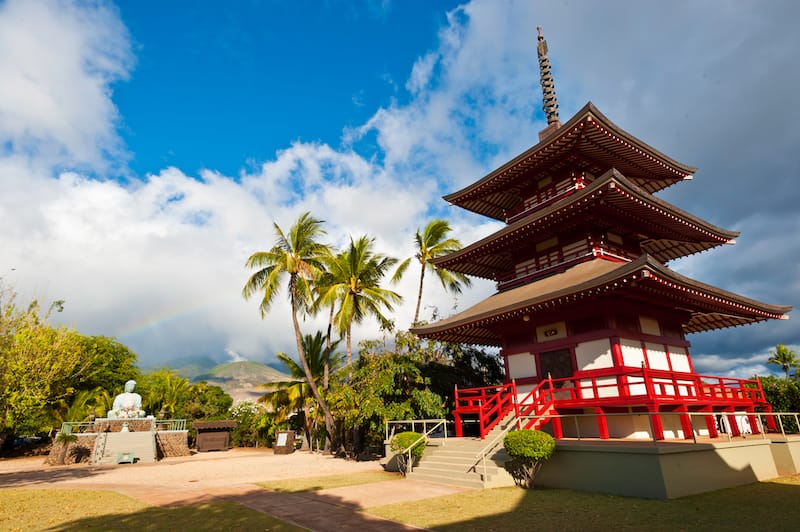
79, 451
170, 443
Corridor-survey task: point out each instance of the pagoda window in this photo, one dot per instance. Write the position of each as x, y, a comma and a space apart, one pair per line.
669, 330
556, 364
627, 322
649, 326
587, 325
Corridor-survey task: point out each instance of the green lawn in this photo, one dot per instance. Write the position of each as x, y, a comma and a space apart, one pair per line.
57, 509
333, 481
764, 506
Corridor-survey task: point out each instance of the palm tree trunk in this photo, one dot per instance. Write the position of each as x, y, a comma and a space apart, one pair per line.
348, 341
330, 423
419, 294
327, 368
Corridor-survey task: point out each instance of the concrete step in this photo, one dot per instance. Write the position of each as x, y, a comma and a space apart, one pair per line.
455, 462
111, 447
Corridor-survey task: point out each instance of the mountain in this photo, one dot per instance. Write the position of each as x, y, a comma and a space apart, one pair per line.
242, 380
191, 367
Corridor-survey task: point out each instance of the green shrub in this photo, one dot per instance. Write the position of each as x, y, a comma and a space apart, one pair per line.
401, 442
529, 450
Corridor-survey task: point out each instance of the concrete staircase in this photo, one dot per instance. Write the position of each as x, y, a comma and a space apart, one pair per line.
119, 447
453, 461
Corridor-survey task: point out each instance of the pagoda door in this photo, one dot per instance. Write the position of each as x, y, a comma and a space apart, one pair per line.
558, 364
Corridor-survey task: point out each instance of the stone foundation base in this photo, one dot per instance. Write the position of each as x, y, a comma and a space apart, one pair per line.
169, 443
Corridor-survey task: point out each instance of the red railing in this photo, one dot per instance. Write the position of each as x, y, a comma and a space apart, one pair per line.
538, 403
490, 403
620, 384
609, 387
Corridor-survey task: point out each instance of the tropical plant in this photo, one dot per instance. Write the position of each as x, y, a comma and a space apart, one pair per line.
164, 390
39, 365
255, 425
79, 407
430, 243
355, 277
294, 395
784, 396
785, 358
297, 255
529, 450
384, 386
64, 440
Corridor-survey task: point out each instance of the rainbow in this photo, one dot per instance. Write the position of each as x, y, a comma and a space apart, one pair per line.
162, 316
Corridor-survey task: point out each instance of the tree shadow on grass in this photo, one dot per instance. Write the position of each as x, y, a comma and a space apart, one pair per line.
221, 515
760, 506
243, 509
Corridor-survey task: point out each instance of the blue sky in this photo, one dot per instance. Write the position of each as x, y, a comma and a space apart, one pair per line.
147, 147
274, 72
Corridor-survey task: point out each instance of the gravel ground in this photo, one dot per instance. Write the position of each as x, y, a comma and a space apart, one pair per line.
231, 468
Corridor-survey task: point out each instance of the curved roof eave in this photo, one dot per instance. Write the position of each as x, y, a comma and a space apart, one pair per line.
600, 276
612, 179
678, 170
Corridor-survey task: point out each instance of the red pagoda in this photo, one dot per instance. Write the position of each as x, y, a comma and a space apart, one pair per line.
589, 318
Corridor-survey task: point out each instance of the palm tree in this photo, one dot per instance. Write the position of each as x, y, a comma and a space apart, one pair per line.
355, 277
294, 394
785, 358
432, 242
297, 255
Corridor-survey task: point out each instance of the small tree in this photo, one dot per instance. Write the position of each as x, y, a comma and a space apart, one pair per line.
400, 444
529, 450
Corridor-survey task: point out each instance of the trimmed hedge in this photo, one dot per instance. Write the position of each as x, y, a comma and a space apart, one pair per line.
529, 449
403, 440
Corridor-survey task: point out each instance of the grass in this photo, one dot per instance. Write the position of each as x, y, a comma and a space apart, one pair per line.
767, 505
61, 510
334, 481
763, 506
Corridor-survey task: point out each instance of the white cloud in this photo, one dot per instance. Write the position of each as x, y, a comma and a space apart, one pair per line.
57, 62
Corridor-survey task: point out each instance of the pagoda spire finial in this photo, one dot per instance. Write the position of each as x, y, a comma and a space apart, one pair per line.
550, 101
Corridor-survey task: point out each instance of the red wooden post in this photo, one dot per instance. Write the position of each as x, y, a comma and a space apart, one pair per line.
771, 426
655, 421
686, 423
481, 420
456, 416
711, 423
751, 419
602, 423
558, 431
